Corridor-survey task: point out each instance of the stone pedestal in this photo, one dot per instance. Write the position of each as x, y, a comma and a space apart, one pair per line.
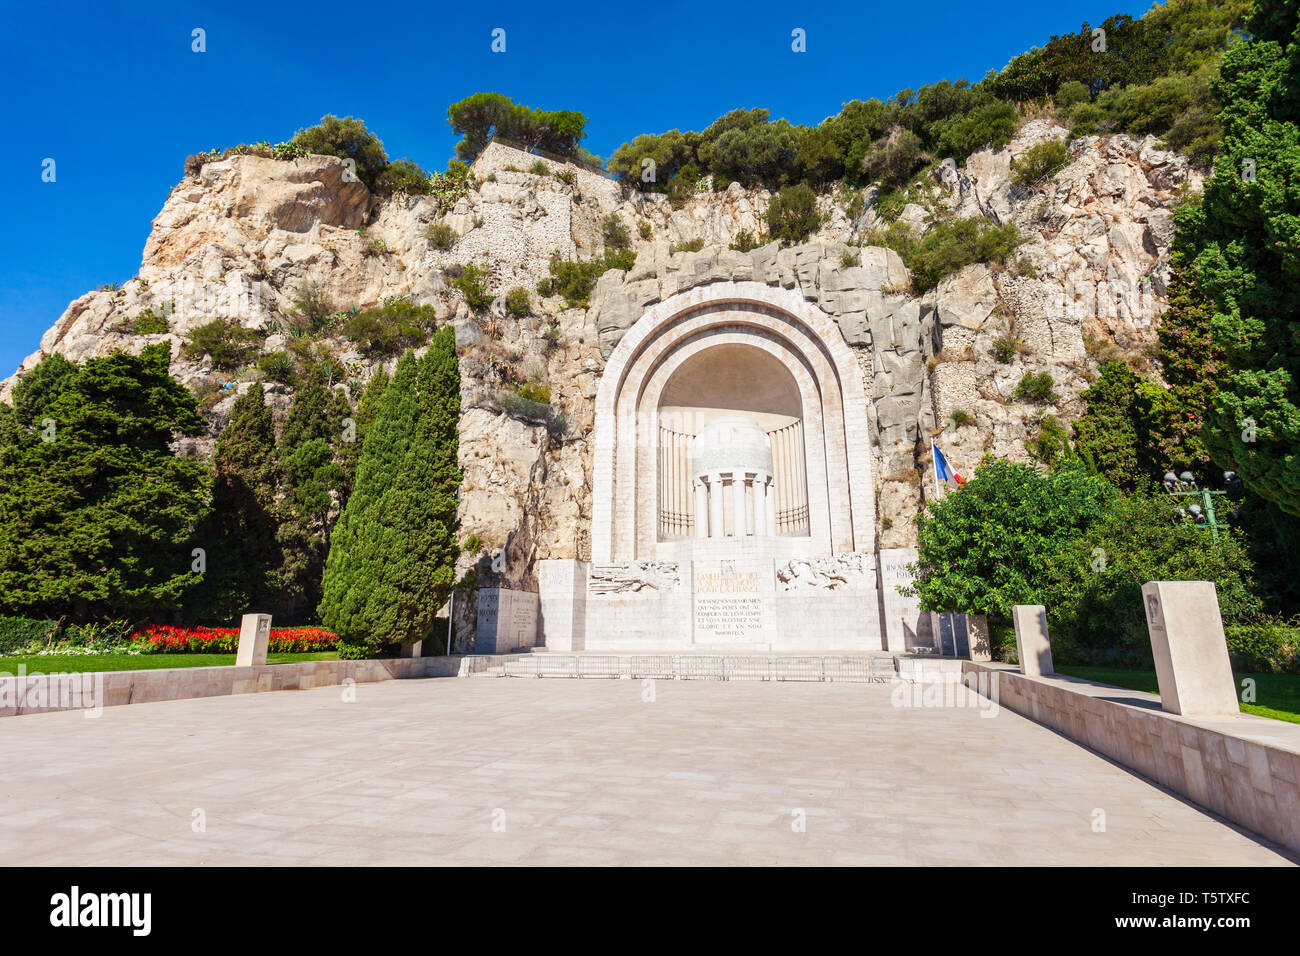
254, 635
1032, 644
562, 587
1189, 648
507, 621
977, 632
411, 650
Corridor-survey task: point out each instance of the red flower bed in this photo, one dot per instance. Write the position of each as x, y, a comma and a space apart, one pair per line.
225, 640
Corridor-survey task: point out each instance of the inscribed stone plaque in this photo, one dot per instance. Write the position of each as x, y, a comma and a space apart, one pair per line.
728, 602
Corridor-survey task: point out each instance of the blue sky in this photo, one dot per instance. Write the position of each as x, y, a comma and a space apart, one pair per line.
113, 93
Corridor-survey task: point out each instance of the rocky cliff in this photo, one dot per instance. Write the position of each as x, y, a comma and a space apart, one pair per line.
244, 236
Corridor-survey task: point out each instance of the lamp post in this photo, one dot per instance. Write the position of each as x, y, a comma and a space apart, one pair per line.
1202, 515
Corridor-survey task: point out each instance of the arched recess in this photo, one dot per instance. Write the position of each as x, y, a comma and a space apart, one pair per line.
781, 324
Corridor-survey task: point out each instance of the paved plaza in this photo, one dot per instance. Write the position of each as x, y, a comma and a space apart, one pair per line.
483, 771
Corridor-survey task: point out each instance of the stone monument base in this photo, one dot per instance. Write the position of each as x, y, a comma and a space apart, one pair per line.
738, 601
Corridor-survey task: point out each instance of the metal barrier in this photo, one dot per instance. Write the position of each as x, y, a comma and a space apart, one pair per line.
657, 666
692, 667
746, 668
589, 666
556, 666
799, 668
808, 668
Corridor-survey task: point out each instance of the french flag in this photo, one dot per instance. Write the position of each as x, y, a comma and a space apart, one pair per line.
943, 472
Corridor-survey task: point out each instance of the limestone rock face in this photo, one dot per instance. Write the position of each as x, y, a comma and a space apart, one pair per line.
244, 238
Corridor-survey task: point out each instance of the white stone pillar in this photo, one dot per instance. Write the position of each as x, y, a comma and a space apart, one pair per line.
701, 509
254, 635
739, 524
760, 507
770, 493
716, 526
1193, 670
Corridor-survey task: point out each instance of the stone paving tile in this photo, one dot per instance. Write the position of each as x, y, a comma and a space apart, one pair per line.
584, 773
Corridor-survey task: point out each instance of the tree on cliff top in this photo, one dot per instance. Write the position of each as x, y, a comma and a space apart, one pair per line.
479, 117
346, 138
393, 551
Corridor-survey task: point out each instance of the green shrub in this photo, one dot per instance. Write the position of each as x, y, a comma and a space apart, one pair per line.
1264, 646
745, 242
1051, 444
21, 633
792, 214
948, 247
1041, 161
396, 325
147, 322
346, 138
894, 158
312, 308
691, 245
1094, 588
644, 229
440, 235
404, 176
1039, 388
1071, 93
615, 233
574, 280
472, 283
961, 417
449, 187
535, 392
518, 302
276, 366
540, 168
990, 126
1006, 347
225, 341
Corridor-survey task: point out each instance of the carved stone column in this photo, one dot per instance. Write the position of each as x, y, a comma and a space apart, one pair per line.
715, 505
701, 509
739, 520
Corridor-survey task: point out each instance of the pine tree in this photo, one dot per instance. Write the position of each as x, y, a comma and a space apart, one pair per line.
96, 512
240, 536
393, 551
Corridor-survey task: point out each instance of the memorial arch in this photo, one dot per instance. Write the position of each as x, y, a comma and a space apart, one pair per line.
733, 508
734, 410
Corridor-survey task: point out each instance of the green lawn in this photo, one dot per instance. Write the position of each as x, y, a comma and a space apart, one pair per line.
1276, 695
56, 663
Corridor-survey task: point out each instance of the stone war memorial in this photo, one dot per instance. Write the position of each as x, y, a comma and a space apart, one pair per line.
826, 474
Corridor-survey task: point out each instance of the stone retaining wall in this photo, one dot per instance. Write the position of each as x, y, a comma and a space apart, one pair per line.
42, 693
1244, 768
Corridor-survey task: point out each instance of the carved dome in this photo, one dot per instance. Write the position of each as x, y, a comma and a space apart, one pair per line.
732, 443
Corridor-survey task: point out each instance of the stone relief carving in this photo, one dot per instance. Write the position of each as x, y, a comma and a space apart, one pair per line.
634, 576
837, 572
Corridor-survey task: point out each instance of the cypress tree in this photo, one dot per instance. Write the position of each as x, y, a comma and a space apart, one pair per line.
350, 451
311, 478
96, 512
240, 536
393, 551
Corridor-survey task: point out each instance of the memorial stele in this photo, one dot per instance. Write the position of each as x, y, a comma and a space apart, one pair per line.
733, 503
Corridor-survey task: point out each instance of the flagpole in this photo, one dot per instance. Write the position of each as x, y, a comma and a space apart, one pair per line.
934, 464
